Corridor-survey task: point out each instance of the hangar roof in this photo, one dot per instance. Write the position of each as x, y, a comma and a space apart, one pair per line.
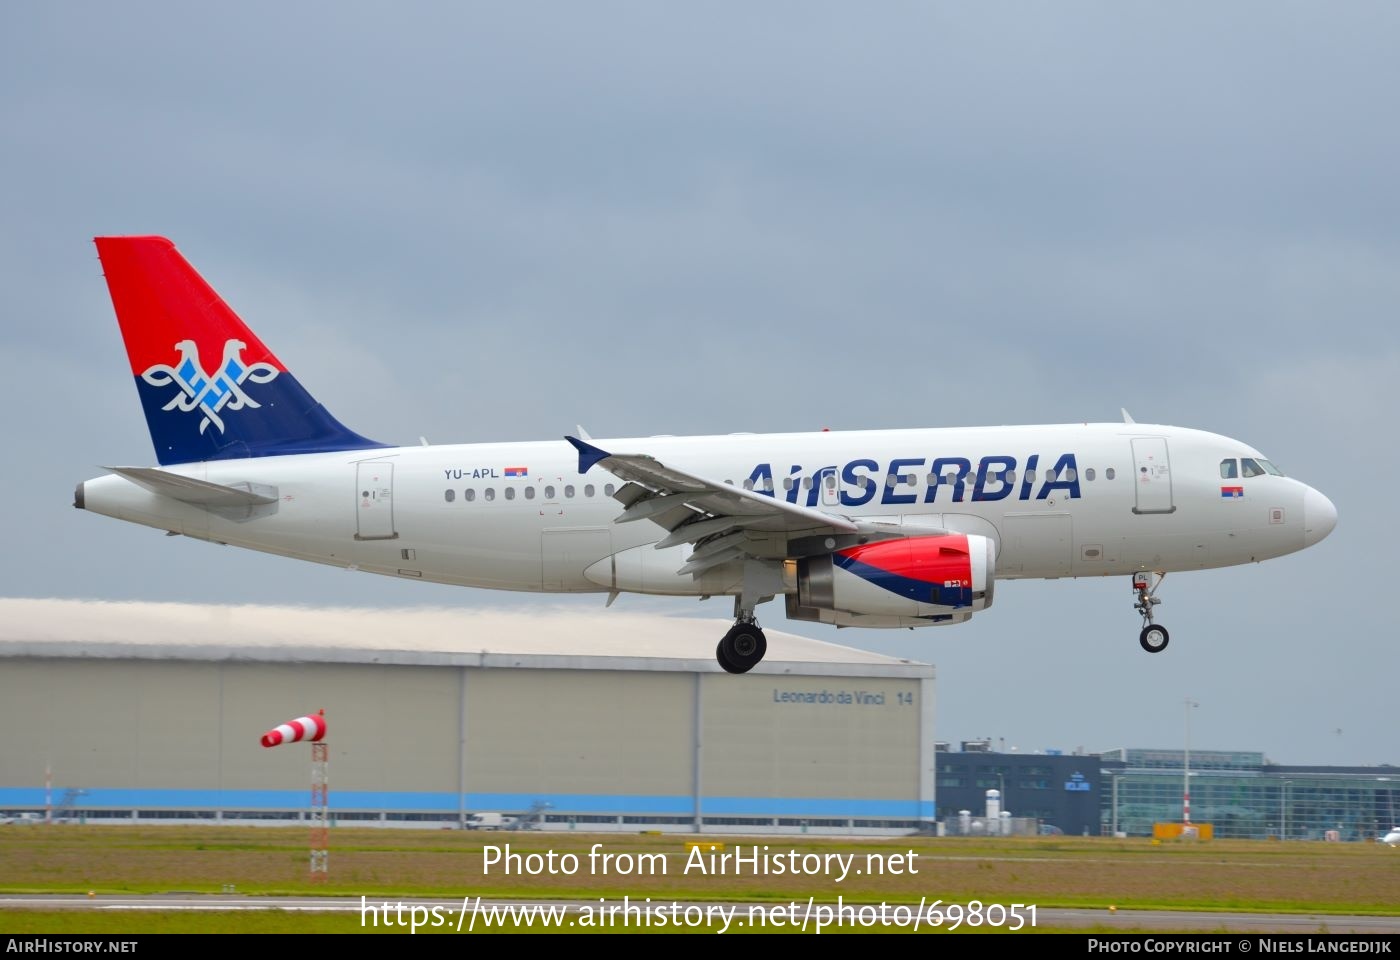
548, 637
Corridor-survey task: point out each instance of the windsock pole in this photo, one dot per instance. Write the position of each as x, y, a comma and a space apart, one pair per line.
320, 809
313, 729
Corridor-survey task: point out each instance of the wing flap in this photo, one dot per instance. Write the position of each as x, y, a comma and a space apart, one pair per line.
698, 530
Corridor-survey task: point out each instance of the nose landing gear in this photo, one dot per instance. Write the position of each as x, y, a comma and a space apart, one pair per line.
1154, 636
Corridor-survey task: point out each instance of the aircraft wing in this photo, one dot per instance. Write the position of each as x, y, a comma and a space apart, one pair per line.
717, 517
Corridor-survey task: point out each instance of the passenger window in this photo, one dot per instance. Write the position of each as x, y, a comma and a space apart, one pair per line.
608, 488
748, 484
1248, 468
1089, 474
588, 490
1071, 475
1108, 474
806, 483
469, 495
787, 483
489, 493
569, 491
549, 492
529, 493
1229, 469
510, 493
1030, 476
932, 479
449, 495
1010, 477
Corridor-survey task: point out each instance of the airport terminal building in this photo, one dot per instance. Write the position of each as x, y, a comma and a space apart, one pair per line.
599, 721
1241, 794
1126, 792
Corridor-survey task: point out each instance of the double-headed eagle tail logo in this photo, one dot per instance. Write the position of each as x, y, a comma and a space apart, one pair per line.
210, 393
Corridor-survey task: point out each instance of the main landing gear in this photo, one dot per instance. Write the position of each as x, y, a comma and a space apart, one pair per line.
742, 647
1154, 636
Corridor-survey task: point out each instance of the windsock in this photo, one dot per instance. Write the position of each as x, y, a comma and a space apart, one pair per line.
311, 729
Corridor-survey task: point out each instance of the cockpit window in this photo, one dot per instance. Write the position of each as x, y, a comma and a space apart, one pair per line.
1229, 469
1249, 467
1270, 468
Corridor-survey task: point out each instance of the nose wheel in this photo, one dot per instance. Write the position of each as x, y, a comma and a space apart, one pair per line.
1154, 636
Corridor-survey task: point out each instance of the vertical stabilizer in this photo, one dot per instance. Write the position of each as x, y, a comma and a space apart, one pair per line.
210, 388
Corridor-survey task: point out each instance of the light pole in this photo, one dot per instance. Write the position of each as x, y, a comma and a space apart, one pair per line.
1113, 828
1186, 767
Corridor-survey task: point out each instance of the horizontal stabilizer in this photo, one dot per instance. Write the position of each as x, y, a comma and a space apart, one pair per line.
200, 492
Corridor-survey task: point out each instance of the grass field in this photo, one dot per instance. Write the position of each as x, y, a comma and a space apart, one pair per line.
391, 864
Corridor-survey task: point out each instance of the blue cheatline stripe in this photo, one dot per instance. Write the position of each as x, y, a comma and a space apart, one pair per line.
584, 803
815, 807
448, 803
924, 591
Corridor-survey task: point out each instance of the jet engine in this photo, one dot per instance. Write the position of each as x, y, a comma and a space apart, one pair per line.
912, 581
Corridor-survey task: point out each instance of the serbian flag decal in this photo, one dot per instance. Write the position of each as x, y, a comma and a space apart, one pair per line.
517, 471
1231, 493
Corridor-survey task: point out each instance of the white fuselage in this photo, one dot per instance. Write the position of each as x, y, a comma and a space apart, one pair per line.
1123, 498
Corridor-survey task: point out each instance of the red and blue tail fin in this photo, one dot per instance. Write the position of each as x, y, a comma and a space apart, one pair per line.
210, 388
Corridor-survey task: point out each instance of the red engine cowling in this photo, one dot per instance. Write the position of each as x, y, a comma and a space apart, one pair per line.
923, 577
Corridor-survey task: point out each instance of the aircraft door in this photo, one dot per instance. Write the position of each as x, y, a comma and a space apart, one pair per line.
1152, 476
374, 499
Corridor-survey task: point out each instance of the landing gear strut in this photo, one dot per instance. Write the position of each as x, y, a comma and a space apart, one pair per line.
1154, 637
742, 647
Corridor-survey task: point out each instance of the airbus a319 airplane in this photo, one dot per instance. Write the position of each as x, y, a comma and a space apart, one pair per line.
888, 528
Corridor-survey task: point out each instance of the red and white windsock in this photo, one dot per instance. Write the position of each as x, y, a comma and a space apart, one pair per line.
310, 729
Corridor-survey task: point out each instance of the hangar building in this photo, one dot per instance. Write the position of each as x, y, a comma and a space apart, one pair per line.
596, 720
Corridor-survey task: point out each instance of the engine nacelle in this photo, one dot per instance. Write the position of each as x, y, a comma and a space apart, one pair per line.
871, 621
937, 579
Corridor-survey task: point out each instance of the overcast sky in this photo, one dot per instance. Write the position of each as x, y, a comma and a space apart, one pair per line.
491, 222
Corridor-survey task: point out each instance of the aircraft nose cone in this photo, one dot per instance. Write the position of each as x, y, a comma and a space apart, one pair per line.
1319, 517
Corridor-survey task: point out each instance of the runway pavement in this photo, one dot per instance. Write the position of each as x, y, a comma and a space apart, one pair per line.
1160, 921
